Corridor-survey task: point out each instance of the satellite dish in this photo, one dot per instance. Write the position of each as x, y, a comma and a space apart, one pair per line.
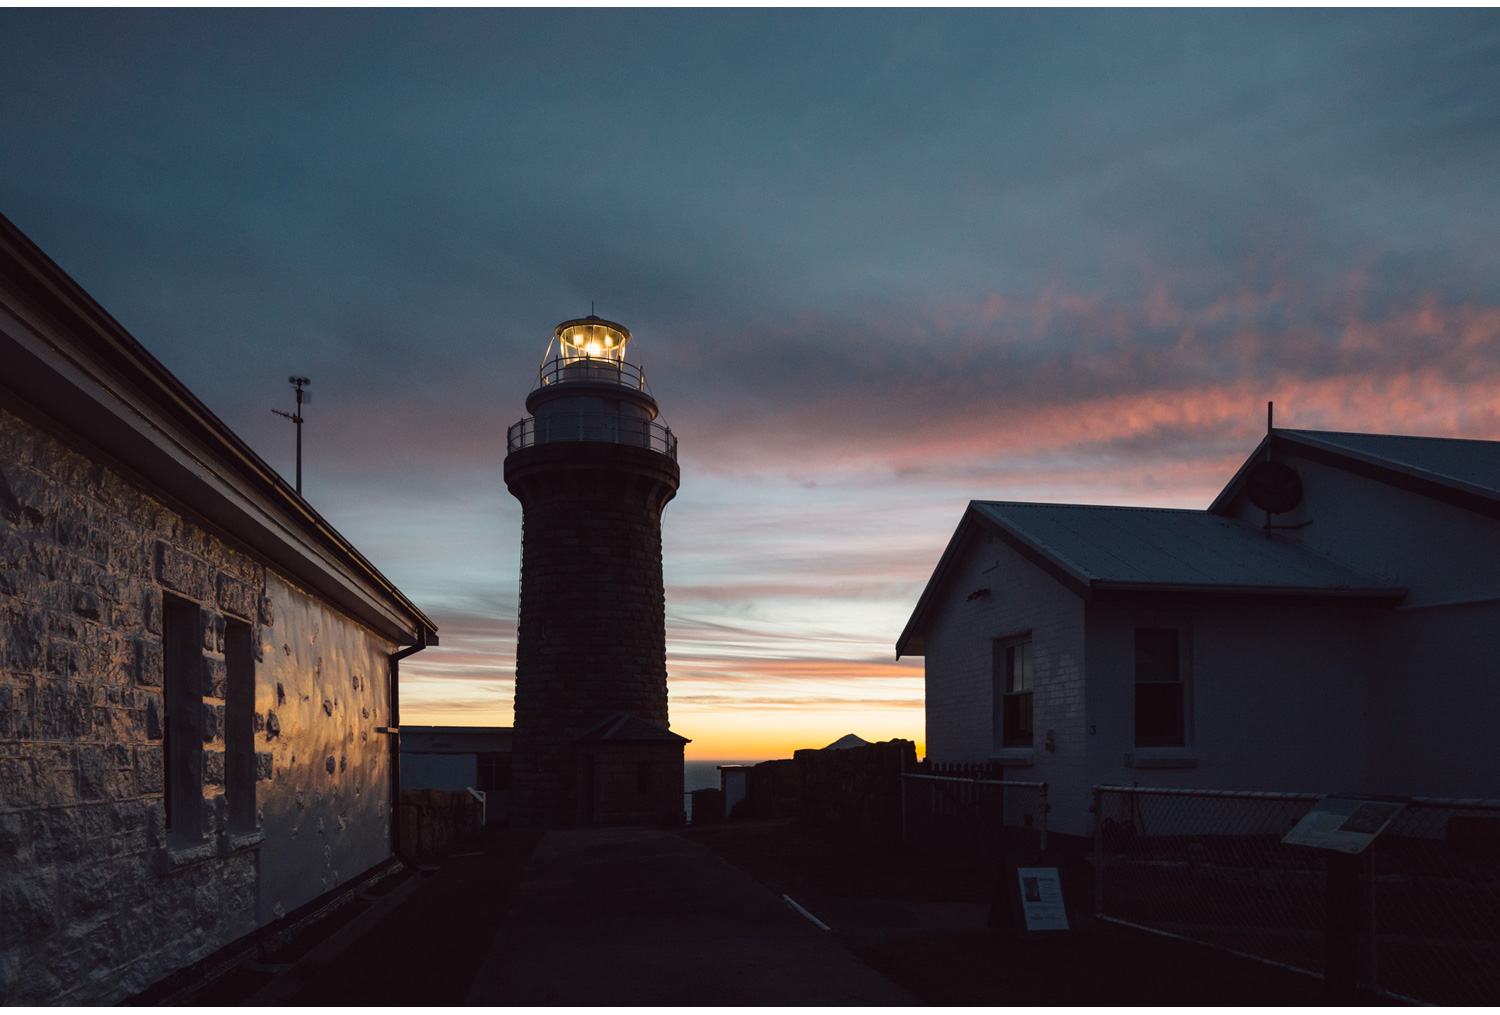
1273, 487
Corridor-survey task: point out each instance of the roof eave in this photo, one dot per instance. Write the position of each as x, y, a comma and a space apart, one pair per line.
109, 374
913, 637
1387, 596
1457, 492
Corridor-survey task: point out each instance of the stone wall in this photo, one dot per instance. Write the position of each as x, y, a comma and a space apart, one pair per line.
631, 784
591, 637
435, 820
856, 791
95, 905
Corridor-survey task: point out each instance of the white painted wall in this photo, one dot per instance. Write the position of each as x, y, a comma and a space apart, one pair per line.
958, 661
322, 827
1278, 698
1435, 679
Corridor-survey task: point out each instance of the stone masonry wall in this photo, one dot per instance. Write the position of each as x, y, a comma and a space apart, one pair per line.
592, 631
93, 906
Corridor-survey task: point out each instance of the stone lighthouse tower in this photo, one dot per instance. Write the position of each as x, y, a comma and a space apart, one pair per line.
592, 467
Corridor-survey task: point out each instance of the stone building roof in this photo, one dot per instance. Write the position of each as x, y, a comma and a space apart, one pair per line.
68, 361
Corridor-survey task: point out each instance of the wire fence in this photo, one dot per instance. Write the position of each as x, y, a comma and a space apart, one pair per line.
971, 816
1209, 866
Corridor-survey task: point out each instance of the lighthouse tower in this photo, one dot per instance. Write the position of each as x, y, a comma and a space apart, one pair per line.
593, 467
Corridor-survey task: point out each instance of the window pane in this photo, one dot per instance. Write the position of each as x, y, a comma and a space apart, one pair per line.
998, 688
239, 729
1158, 714
1156, 654
1018, 720
182, 696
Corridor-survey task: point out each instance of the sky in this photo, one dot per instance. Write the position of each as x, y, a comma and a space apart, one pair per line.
877, 264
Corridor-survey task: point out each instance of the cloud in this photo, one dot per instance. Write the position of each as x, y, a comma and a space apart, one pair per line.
877, 263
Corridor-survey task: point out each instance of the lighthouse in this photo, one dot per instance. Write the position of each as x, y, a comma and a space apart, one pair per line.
593, 466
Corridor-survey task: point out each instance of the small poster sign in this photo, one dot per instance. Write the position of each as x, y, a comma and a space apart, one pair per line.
1343, 824
1042, 898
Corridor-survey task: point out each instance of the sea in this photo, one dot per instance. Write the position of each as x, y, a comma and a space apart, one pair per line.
704, 775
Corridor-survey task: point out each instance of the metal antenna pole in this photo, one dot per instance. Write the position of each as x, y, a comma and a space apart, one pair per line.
296, 417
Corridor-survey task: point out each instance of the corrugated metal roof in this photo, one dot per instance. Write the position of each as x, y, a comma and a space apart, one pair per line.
1467, 462
1132, 547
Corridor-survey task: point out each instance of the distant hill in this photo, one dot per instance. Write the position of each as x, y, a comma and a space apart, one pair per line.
847, 741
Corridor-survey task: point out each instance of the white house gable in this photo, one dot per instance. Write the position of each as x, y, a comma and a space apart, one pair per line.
993, 595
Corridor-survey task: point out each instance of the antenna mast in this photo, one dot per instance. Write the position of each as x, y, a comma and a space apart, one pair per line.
296, 417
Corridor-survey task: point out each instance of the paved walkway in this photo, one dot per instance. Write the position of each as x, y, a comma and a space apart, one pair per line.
635, 917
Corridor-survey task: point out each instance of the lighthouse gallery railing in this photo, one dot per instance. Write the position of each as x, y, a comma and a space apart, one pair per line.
591, 371
608, 428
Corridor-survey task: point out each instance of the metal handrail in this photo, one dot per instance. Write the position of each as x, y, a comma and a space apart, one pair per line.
601, 427
971, 782
591, 371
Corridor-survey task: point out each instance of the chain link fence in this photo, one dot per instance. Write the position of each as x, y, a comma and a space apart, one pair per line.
1436, 903
1209, 866
973, 817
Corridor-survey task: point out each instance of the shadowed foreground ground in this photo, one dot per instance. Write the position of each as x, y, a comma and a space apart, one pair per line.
635, 917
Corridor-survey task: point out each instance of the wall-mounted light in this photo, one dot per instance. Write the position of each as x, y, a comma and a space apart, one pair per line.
977, 594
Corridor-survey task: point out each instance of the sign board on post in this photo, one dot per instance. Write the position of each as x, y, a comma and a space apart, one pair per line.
1042, 899
1343, 824
1344, 828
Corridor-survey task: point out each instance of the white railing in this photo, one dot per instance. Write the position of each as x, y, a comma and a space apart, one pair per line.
602, 427
591, 371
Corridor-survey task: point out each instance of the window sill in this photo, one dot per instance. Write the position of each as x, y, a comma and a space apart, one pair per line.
1161, 757
1014, 757
170, 859
231, 843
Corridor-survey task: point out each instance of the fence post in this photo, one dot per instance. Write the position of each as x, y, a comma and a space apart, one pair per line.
1371, 927
1045, 808
1342, 925
1098, 851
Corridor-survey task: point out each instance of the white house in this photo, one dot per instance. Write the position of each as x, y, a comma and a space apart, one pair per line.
1353, 645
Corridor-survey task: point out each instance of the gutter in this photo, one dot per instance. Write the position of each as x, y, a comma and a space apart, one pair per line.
394, 729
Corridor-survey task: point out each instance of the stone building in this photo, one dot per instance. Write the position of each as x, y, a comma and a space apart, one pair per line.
593, 467
197, 672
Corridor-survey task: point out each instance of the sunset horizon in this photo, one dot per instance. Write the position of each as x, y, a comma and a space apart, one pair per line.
876, 265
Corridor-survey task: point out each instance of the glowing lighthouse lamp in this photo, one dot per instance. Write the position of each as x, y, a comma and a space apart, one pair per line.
590, 349
586, 391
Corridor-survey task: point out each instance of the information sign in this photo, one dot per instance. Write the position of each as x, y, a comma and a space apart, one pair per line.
1343, 824
1042, 898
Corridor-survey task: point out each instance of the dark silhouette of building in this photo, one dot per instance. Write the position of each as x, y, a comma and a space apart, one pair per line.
593, 468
